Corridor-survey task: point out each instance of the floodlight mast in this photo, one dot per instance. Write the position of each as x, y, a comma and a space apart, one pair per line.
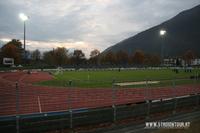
162, 34
24, 18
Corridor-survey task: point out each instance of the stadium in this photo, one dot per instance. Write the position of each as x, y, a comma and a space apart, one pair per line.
99, 66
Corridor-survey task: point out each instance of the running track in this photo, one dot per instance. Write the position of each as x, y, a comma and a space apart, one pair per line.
34, 99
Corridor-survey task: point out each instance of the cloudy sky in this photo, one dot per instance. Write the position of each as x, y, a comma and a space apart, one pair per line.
84, 24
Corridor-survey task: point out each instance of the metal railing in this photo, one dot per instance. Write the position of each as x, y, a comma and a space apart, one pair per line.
40, 122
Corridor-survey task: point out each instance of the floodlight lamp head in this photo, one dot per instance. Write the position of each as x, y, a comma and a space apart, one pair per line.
162, 32
23, 17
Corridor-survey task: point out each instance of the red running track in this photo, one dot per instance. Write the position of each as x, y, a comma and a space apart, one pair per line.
34, 99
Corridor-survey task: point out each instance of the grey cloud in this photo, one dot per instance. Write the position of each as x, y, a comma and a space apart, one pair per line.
101, 23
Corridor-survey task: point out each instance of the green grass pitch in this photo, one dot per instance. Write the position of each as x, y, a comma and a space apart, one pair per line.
104, 79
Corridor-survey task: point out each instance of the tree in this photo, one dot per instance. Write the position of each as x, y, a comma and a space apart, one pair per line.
138, 57
12, 49
48, 57
36, 55
94, 57
78, 54
17, 43
58, 56
94, 53
122, 57
188, 57
152, 60
109, 58
78, 57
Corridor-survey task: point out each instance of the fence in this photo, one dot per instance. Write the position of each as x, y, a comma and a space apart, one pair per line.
40, 122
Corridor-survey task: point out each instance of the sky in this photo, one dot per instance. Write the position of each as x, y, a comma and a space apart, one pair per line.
83, 24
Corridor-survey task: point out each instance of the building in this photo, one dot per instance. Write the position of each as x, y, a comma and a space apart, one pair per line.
169, 62
195, 62
180, 62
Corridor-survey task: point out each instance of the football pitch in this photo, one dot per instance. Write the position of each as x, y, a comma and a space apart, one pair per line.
133, 78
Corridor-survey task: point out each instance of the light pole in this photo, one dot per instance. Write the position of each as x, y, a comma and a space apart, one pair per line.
162, 34
24, 18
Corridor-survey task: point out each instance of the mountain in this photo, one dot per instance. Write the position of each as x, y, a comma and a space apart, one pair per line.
183, 33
